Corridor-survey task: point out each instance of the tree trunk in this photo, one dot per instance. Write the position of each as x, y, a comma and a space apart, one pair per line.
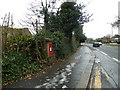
38, 54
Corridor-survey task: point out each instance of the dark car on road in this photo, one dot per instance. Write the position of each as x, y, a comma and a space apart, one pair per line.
96, 44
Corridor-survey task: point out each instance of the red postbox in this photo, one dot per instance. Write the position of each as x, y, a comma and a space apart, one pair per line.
50, 49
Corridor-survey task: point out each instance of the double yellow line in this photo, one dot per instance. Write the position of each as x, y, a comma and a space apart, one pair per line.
98, 83
95, 82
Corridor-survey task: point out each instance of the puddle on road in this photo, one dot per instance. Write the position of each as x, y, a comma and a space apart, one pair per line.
60, 79
97, 60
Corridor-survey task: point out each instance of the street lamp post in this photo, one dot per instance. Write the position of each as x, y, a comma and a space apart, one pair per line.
111, 31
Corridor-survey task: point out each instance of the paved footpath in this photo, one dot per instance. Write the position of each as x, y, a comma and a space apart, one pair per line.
71, 73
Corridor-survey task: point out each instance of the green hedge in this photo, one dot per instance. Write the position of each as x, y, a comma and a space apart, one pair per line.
16, 65
19, 58
61, 45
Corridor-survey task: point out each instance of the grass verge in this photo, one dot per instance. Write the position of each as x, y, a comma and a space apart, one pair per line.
113, 44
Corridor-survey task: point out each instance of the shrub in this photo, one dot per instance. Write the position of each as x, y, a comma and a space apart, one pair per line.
61, 46
20, 59
16, 65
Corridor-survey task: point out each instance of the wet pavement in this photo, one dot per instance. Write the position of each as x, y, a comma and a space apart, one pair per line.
70, 73
108, 70
66, 74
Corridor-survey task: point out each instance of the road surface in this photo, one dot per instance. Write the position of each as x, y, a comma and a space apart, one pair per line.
111, 51
107, 56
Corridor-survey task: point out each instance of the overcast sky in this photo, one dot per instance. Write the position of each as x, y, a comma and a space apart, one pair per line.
104, 13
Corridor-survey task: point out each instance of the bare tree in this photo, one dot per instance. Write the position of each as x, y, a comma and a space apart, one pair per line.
38, 19
5, 25
116, 23
42, 10
37, 47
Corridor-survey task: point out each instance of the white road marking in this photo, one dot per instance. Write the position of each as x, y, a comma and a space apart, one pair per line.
110, 57
116, 60
103, 53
